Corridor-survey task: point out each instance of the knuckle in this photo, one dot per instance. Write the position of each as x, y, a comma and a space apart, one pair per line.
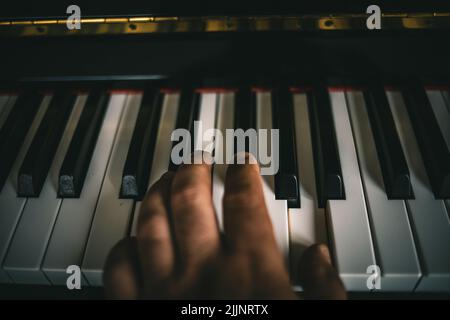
151, 225
151, 209
188, 196
242, 199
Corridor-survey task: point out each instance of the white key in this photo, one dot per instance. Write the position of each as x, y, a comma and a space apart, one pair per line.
306, 224
12, 206
71, 229
278, 209
112, 215
393, 239
207, 117
428, 217
163, 147
347, 219
441, 113
225, 120
30, 239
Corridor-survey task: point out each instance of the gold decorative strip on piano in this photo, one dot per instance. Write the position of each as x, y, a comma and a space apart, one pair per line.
165, 24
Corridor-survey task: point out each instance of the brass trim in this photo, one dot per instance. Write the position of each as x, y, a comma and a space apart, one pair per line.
159, 19
45, 22
17, 23
93, 20
166, 24
116, 20
141, 19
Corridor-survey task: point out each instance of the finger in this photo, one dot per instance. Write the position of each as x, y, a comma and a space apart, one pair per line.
121, 272
154, 236
194, 220
247, 223
318, 277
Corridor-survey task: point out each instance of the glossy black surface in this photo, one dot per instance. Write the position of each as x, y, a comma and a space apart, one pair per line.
340, 57
76, 162
136, 172
14, 130
286, 179
433, 148
36, 164
329, 181
244, 115
188, 112
390, 153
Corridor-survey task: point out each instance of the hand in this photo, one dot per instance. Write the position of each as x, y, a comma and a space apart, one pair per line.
180, 253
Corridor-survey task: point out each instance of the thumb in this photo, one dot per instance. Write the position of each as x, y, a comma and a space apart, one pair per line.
318, 277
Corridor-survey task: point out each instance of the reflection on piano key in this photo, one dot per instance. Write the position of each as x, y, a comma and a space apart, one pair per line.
392, 236
428, 217
207, 119
136, 171
14, 130
188, 113
112, 214
36, 164
330, 184
446, 95
306, 224
245, 115
29, 242
10, 204
429, 138
163, 148
278, 209
224, 120
286, 179
441, 113
392, 160
6, 104
348, 222
74, 168
71, 229
3, 102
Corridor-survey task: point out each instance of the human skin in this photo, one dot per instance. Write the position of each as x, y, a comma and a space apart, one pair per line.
180, 253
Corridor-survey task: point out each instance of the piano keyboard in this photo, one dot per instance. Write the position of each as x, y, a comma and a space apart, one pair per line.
365, 171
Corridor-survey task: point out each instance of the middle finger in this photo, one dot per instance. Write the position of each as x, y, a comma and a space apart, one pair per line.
194, 221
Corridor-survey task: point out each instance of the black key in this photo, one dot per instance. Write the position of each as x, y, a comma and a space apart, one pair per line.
286, 180
36, 164
430, 139
76, 163
14, 130
244, 115
392, 160
329, 180
137, 167
188, 113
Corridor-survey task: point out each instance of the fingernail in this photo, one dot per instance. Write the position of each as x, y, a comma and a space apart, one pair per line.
201, 157
245, 158
323, 253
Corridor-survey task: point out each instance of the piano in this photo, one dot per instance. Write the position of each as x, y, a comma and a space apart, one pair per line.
364, 116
